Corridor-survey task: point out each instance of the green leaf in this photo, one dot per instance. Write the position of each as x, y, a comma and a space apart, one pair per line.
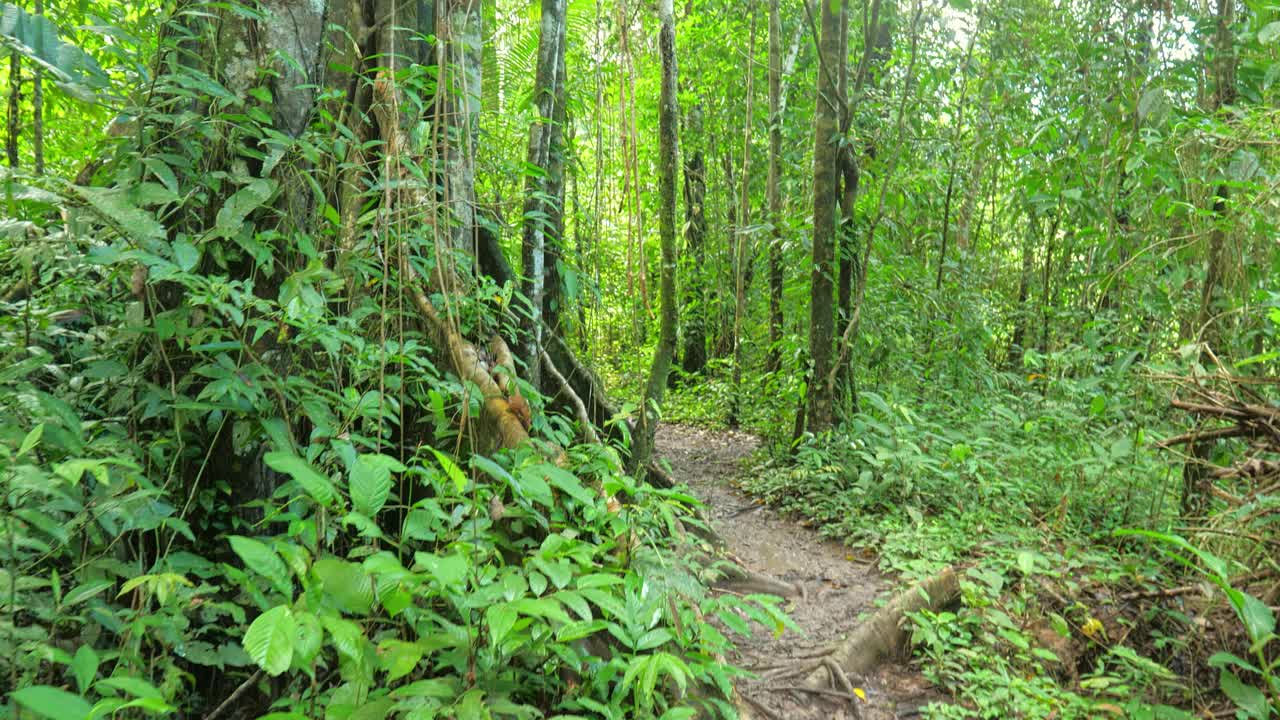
371, 482
309, 639
52, 703
134, 686
269, 640
1246, 697
449, 570
237, 207
1269, 33
37, 39
316, 485
31, 439
262, 560
1258, 619
654, 638
114, 204
347, 636
568, 483
186, 254
398, 658
452, 470
500, 618
529, 483
85, 667
86, 591
346, 583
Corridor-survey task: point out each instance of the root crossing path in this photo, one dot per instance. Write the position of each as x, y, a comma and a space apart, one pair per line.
839, 589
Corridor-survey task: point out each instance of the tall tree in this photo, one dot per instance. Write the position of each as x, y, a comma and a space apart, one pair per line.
825, 196
1223, 76
773, 194
14, 123
544, 186
668, 112
694, 355
743, 255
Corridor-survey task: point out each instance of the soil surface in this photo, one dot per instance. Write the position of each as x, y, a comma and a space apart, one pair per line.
839, 586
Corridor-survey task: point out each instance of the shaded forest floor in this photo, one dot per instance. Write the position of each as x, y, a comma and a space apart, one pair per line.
840, 587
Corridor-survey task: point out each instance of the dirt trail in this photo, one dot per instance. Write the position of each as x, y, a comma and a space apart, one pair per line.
838, 586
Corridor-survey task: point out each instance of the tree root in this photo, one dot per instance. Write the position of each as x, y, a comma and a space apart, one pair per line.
739, 579
884, 634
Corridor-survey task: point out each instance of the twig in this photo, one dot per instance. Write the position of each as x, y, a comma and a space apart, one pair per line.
244, 686
761, 707
584, 419
1188, 589
812, 691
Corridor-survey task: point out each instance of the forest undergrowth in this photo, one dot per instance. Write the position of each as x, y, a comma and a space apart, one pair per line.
1086, 591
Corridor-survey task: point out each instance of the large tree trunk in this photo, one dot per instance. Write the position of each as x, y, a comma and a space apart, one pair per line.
668, 111
825, 189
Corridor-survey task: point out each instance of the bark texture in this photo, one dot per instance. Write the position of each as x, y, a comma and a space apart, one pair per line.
825, 189
668, 112
544, 188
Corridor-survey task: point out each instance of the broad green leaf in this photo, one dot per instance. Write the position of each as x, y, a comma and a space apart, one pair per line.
263, 560
346, 584
316, 485
37, 39
449, 570
115, 205
270, 638
84, 666
185, 254
347, 636
1252, 700
398, 658
371, 482
52, 703
654, 638
567, 483
244, 201
1269, 33
1259, 620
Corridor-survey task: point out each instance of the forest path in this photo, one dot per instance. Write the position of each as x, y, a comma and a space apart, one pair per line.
838, 586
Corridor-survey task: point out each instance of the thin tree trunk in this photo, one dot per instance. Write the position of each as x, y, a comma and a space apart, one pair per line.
1224, 71
742, 255
1046, 280
1195, 479
37, 109
951, 172
668, 112
773, 194
694, 357
14, 124
1016, 341
543, 203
